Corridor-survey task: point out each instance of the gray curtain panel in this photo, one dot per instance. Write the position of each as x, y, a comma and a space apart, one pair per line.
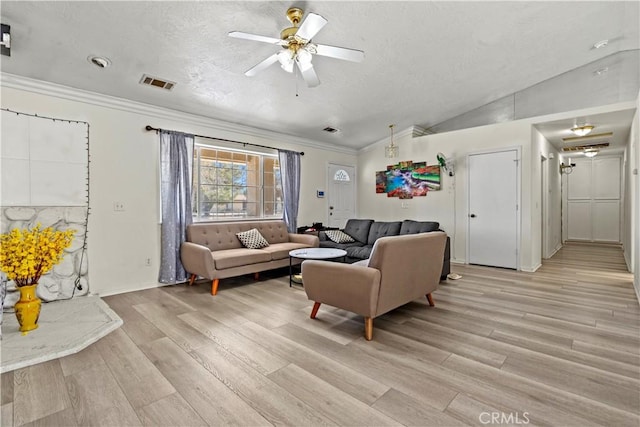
176, 154
290, 173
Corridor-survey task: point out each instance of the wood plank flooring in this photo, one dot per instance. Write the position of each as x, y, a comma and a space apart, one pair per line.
558, 347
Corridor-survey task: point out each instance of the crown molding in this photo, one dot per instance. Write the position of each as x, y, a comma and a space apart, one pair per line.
79, 95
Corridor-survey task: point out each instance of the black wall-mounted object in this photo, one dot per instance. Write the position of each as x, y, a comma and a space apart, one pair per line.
5, 43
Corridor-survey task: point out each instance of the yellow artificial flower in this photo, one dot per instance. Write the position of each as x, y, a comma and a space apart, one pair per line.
25, 255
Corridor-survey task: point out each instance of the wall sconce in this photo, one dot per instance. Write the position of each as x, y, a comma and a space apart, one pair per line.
391, 150
566, 169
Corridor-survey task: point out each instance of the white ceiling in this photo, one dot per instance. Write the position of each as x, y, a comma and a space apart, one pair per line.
616, 122
425, 62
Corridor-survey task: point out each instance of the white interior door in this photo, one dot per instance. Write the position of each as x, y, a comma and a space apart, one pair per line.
342, 197
493, 209
594, 200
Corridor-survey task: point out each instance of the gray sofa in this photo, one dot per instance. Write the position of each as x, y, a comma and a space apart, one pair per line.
365, 232
213, 250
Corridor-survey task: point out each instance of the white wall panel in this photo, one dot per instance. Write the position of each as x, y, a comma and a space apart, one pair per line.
579, 220
606, 178
606, 221
44, 162
15, 133
579, 182
17, 188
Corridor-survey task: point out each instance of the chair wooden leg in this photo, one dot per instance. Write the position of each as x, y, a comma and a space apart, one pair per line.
314, 310
192, 279
256, 276
214, 286
368, 328
430, 299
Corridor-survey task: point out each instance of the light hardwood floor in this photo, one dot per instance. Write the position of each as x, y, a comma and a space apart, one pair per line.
557, 347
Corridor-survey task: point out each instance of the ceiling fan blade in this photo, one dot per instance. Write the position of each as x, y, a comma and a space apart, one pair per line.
255, 37
309, 75
310, 26
261, 66
340, 53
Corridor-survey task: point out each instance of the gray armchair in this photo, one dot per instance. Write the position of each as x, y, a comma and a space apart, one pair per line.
400, 269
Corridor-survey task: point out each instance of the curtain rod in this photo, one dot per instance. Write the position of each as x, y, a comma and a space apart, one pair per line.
150, 128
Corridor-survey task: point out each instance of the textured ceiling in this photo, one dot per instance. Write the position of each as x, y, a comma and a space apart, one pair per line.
425, 62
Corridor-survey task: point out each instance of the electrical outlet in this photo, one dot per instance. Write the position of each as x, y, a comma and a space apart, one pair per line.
147, 262
404, 205
118, 207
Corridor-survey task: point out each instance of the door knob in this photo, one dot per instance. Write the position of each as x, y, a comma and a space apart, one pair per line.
472, 215
330, 207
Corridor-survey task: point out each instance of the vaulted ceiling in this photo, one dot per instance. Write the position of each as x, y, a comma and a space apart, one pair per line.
425, 62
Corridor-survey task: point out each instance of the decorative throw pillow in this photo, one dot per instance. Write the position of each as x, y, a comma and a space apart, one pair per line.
252, 239
339, 236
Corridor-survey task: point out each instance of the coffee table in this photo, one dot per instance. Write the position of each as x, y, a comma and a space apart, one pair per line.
314, 253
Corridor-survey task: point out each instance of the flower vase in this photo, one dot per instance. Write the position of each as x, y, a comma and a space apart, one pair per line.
28, 308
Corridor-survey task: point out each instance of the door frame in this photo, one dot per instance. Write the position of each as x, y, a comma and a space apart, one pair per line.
518, 150
328, 186
544, 206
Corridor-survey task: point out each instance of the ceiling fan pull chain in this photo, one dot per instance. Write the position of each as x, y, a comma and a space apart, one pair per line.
296, 79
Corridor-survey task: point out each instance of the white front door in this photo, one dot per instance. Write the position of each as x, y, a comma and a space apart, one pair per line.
493, 209
342, 197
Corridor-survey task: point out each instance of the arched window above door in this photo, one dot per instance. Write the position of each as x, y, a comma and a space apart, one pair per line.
341, 175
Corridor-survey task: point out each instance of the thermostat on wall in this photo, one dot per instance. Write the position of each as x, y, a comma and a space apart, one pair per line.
320, 193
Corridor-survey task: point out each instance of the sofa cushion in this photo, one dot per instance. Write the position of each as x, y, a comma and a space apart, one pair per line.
359, 252
415, 227
358, 229
273, 231
252, 239
230, 258
383, 229
339, 236
330, 244
281, 250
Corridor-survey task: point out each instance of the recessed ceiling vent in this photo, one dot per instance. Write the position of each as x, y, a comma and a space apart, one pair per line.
586, 147
157, 82
330, 129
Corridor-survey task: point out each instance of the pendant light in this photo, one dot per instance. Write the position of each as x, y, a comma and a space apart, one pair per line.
391, 151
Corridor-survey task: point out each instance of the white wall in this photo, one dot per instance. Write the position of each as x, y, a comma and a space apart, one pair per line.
553, 203
631, 225
449, 206
124, 168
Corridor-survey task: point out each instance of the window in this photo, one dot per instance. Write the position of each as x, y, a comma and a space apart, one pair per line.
341, 175
229, 184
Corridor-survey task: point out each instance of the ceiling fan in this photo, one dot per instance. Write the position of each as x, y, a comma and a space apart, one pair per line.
297, 48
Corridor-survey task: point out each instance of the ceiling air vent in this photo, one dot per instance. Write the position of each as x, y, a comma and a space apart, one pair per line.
330, 129
154, 81
586, 147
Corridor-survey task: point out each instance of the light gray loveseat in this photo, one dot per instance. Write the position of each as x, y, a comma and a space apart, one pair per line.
213, 250
401, 269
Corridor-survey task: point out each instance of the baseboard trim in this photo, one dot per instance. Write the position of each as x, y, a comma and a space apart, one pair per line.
531, 270
555, 251
127, 290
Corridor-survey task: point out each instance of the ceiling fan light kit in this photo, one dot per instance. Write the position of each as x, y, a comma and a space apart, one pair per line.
297, 47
